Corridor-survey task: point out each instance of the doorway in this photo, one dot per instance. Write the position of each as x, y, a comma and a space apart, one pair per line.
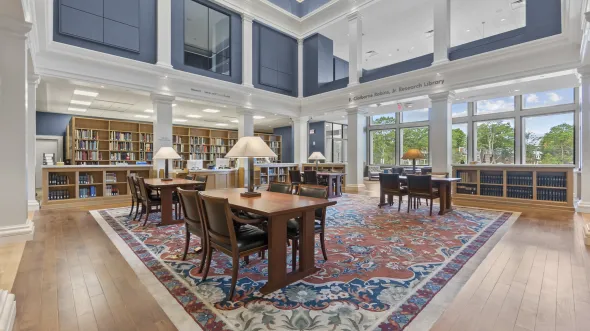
46, 144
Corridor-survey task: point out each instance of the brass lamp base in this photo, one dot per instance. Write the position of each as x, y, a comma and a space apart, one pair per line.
166, 179
250, 194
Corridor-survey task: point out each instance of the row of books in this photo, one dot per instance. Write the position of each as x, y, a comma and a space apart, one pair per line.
87, 192
57, 179
494, 191
87, 144
112, 190
552, 194
466, 189
58, 195
176, 139
86, 179
178, 148
121, 136
147, 147
88, 156
218, 149
122, 156
146, 156
491, 179
146, 137
86, 134
219, 141
520, 192
199, 141
273, 144
553, 181
520, 180
120, 146
199, 149
110, 177
466, 177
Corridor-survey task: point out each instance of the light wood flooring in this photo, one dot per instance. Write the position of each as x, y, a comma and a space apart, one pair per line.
71, 277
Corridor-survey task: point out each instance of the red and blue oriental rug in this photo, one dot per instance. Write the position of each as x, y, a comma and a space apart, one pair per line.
383, 269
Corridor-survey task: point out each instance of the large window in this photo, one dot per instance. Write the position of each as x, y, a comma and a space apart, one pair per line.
206, 38
415, 138
492, 106
547, 99
384, 119
383, 147
417, 115
495, 141
549, 139
459, 109
459, 143
336, 142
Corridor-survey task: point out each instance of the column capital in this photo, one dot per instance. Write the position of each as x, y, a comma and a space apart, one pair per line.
245, 111
247, 17
356, 111
583, 72
448, 96
14, 27
354, 15
162, 98
300, 119
33, 79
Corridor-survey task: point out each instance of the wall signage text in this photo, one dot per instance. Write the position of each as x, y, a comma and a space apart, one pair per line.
432, 83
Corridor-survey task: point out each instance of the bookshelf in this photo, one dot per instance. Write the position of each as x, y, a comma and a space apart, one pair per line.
95, 141
522, 186
265, 174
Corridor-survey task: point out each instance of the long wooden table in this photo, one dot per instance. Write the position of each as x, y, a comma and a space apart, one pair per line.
336, 189
166, 188
279, 208
444, 187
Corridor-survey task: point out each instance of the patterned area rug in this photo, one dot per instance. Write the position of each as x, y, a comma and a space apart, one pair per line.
383, 268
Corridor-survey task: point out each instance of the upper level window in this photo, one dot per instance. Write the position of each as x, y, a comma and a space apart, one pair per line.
384, 119
491, 106
549, 98
459, 110
417, 115
206, 38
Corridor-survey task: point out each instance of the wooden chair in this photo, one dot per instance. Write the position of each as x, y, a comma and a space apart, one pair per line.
193, 221
310, 177
201, 178
295, 177
313, 191
135, 196
189, 177
426, 170
223, 236
279, 187
420, 186
148, 202
390, 185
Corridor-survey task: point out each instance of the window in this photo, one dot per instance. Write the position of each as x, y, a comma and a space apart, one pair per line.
335, 150
418, 115
206, 38
492, 106
459, 143
384, 119
383, 147
549, 98
549, 139
415, 138
495, 141
459, 109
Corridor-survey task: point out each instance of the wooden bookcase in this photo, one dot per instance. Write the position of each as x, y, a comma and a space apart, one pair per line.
521, 186
273, 172
95, 141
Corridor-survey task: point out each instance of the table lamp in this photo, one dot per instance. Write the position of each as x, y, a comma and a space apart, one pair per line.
166, 153
413, 154
317, 156
250, 148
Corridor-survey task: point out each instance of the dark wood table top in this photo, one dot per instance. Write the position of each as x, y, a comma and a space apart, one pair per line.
269, 203
331, 174
438, 179
158, 182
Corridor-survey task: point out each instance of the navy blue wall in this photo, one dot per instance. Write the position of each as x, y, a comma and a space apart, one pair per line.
319, 66
274, 60
299, 9
52, 124
125, 28
287, 153
340, 68
235, 35
319, 137
398, 68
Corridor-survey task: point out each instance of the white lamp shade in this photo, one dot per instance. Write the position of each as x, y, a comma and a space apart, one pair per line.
316, 156
166, 153
250, 147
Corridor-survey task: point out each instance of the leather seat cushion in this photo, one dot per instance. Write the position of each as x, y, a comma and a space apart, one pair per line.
249, 237
293, 227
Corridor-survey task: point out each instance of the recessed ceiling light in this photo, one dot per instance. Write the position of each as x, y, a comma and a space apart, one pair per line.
179, 120
80, 102
149, 111
258, 117
502, 20
86, 93
208, 110
467, 30
235, 121
77, 109
389, 54
194, 116
516, 90
142, 116
221, 124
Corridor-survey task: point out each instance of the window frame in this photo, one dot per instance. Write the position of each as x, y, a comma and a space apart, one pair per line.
331, 139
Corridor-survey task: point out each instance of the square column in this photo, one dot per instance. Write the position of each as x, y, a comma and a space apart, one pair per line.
245, 129
300, 139
583, 205
162, 105
14, 225
247, 50
356, 150
355, 48
32, 83
441, 131
442, 31
164, 33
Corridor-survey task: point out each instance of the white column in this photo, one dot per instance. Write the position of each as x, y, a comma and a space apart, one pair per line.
33, 82
164, 33
583, 205
245, 129
300, 139
14, 225
357, 145
442, 31
355, 48
300, 67
247, 50
440, 131
162, 105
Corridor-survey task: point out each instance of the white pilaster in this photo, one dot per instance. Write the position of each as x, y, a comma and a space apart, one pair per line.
33, 82
355, 48
583, 205
300, 139
247, 50
442, 31
357, 145
300, 68
440, 131
245, 129
7, 310
162, 105
14, 225
164, 33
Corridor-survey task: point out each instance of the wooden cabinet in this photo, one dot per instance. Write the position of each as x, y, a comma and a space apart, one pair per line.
219, 179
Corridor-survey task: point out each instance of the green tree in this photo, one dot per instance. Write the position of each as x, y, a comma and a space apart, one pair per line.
383, 146
416, 138
459, 141
383, 119
557, 145
532, 147
495, 142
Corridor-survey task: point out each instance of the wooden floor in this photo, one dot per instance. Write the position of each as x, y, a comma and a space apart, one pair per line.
71, 277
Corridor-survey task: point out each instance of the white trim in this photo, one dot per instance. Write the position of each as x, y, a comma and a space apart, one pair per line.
33, 205
16, 233
587, 234
583, 207
355, 186
7, 310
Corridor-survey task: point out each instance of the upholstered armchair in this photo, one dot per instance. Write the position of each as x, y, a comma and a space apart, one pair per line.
374, 171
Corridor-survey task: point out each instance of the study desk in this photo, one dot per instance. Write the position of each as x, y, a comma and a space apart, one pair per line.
334, 189
444, 187
166, 188
278, 208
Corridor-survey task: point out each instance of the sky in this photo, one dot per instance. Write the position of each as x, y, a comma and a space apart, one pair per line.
415, 115
540, 125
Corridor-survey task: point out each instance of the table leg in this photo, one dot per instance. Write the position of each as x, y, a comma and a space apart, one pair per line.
307, 242
449, 191
444, 198
277, 254
166, 196
338, 186
330, 187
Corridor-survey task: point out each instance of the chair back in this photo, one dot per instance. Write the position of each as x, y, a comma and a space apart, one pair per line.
426, 170
420, 184
315, 191
397, 170
280, 187
440, 174
389, 182
189, 177
131, 182
218, 221
191, 209
295, 176
143, 191
201, 178
310, 177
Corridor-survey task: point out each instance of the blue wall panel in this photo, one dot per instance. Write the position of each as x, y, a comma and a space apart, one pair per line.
121, 35
90, 6
319, 137
81, 24
318, 66
287, 152
52, 124
340, 68
124, 11
398, 68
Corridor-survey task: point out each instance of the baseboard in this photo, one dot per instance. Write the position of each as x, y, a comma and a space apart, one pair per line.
33, 205
7, 310
16, 233
583, 207
587, 234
